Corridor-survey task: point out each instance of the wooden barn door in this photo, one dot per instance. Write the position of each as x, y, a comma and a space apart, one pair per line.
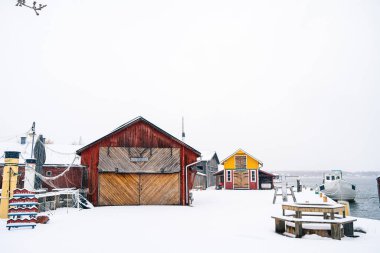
118, 189
241, 179
159, 189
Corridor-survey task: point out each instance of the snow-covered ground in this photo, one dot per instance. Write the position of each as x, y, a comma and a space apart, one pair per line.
219, 221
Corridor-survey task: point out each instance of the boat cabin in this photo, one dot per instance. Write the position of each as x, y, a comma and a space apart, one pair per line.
334, 175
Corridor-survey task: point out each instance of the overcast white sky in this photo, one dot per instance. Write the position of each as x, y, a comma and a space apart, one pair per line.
295, 83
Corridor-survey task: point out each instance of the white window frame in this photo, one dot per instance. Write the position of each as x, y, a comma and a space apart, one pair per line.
253, 172
230, 172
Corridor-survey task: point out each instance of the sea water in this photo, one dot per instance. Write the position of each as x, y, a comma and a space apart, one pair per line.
366, 204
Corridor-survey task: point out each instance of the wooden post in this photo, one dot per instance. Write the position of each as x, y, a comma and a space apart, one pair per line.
298, 229
336, 231
275, 194
349, 229
284, 189
292, 192
56, 199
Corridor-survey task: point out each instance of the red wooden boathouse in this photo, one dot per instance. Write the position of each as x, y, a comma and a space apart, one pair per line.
138, 164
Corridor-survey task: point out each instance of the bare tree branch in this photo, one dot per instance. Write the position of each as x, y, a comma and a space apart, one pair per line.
36, 8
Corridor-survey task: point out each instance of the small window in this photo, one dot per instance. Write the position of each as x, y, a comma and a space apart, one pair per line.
337, 177
253, 176
327, 177
332, 177
228, 176
49, 173
200, 168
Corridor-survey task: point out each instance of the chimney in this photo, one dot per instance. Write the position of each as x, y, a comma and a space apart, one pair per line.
23, 140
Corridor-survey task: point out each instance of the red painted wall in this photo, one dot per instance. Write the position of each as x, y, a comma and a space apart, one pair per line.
139, 134
253, 185
229, 185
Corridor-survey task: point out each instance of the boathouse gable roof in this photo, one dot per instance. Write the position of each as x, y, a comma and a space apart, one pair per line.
242, 151
132, 122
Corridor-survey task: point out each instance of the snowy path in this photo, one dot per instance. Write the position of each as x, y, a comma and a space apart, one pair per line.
219, 221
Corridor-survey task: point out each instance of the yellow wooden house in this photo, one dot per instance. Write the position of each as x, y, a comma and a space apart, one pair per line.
241, 171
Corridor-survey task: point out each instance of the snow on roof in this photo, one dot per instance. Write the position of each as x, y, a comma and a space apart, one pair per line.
55, 153
207, 156
201, 174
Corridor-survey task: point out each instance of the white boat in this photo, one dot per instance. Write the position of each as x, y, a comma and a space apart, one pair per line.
336, 188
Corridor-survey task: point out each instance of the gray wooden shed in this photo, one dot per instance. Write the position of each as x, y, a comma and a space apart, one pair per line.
206, 168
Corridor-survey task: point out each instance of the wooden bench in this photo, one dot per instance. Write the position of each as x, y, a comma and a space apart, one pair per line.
335, 225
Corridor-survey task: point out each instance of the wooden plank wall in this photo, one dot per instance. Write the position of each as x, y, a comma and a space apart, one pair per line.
159, 189
119, 189
139, 189
159, 160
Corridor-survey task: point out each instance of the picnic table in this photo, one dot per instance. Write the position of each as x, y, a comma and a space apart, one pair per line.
309, 210
314, 209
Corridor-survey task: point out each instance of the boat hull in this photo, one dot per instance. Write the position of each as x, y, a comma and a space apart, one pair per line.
339, 190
